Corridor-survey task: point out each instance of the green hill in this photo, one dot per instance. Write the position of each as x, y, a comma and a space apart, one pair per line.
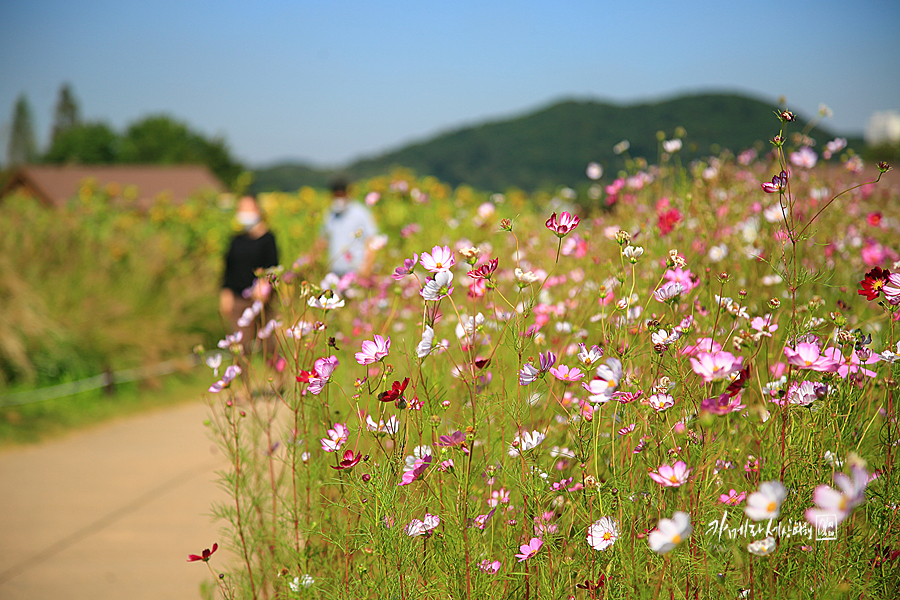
553, 145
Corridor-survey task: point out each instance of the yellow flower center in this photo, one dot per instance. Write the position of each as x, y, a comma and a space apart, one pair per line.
676, 539
843, 505
771, 507
439, 265
607, 536
673, 479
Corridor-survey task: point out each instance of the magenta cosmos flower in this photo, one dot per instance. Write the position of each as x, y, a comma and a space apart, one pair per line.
419, 467
440, 259
777, 185
373, 351
563, 225
808, 356
408, 265
719, 365
671, 476
528, 550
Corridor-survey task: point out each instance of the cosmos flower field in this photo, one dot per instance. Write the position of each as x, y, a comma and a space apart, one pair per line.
677, 382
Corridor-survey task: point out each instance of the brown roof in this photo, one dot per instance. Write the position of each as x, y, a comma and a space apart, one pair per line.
55, 185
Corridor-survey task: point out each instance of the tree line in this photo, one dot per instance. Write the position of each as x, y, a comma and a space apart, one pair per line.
155, 139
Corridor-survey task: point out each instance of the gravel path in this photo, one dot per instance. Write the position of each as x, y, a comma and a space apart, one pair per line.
111, 512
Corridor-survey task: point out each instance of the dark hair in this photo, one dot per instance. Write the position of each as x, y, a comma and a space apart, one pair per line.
339, 186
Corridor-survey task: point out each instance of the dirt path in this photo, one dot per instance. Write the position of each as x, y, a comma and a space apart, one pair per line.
111, 512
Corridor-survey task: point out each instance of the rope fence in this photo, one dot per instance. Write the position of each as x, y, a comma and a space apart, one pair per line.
107, 380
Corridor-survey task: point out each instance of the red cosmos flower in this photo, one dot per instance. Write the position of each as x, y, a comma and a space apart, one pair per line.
205, 556
592, 586
395, 393
484, 271
348, 461
562, 226
304, 376
871, 286
667, 220
873, 219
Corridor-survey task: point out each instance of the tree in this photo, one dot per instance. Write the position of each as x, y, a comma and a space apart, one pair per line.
22, 148
87, 144
162, 140
66, 116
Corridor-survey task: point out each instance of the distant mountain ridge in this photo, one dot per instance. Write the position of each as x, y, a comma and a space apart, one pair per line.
552, 146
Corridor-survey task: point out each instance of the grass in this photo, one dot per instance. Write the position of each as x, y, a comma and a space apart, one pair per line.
49, 419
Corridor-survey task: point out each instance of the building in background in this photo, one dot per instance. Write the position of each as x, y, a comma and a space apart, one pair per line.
139, 185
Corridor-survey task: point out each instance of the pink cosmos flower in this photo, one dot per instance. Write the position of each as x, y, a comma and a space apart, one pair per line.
564, 373
500, 496
808, 356
337, 437
682, 276
373, 351
528, 550
703, 345
419, 467
489, 567
671, 476
852, 364
323, 368
231, 372
732, 498
891, 289
440, 259
719, 365
564, 225
407, 268
836, 505
723, 404
805, 158
764, 326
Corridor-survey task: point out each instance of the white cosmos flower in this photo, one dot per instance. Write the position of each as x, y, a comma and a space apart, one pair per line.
603, 533
525, 277
524, 442
326, 301
633, 253
438, 287
762, 547
671, 146
670, 532
766, 503
425, 346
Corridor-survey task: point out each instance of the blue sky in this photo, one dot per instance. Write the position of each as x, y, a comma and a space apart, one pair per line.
331, 81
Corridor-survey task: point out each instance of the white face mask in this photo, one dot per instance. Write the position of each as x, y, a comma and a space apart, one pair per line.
247, 219
339, 205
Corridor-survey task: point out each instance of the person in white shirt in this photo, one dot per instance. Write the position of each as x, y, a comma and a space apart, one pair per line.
348, 227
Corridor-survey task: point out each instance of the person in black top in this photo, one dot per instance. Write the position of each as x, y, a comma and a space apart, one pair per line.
254, 248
